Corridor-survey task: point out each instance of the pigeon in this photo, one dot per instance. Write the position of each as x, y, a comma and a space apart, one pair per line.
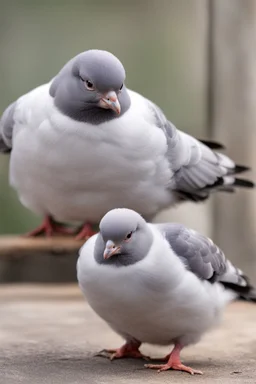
83, 144
160, 284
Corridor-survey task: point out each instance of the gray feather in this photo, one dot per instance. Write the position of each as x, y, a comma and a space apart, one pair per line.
6, 128
198, 253
197, 169
202, 257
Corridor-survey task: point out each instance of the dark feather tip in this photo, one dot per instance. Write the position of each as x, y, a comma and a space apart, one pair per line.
241, 168
212, 144
244, 183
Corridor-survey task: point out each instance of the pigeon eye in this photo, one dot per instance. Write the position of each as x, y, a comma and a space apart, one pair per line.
121, 87
128, 236
89, 85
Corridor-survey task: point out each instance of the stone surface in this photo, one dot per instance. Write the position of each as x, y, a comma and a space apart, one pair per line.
48, 335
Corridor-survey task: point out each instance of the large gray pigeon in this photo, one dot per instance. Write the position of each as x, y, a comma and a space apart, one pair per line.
158, 284
83, 144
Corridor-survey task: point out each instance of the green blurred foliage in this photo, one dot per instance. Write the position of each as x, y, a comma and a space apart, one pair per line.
162, 44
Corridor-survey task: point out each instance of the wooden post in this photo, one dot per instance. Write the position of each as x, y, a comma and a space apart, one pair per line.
233, 94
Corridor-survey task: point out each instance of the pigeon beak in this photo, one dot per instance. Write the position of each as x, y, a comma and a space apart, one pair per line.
110, 101
110, 249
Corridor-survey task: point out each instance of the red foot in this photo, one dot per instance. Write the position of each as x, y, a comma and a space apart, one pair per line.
129, 349
174, 363
86, 232
178, 366
49, 228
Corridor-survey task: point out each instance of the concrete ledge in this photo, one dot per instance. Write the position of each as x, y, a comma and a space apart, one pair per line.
48, 334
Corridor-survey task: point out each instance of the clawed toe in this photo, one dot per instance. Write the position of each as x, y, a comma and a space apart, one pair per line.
177, 367
120, 353
104, 353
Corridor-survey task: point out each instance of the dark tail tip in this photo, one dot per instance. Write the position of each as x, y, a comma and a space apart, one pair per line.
249, 296
212, 144
246, 293
244, 183
241, 169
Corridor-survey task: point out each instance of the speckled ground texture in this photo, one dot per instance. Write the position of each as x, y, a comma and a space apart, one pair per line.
49, 335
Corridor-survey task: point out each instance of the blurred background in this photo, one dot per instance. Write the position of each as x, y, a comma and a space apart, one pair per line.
195, 59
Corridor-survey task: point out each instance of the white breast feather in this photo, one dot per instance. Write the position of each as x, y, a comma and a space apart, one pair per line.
154, 300
77, 171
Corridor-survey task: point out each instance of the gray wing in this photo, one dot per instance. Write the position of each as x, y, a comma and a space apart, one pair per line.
202, 257
198, 170
6, 128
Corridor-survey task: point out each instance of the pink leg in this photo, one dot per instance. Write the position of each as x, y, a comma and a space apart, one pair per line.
49, 228
129, 349
86, 232
174, 363
46, 228
62, 230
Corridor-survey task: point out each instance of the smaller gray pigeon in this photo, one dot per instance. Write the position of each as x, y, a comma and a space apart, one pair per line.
83, 144
157, 283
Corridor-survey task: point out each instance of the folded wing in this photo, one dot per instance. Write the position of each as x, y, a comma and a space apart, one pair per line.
198, 170
207, 261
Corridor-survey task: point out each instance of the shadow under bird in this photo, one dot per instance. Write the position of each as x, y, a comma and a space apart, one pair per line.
157, 283
83, 144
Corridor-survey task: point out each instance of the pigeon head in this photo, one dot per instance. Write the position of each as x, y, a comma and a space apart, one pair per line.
90, 88
125, 238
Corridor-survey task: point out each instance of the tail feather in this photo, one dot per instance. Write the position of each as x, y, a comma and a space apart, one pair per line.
244, 183
247, 293
199, 169
249, 296
216, 145
229, 184
222, 184
235, 280
212, 144
241, 169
